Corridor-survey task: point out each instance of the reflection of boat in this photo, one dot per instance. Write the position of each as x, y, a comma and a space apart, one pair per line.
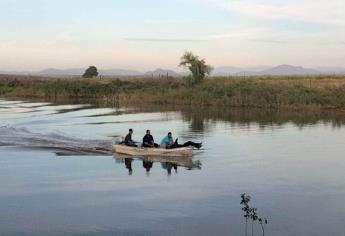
139, 151
181, 161
185, 161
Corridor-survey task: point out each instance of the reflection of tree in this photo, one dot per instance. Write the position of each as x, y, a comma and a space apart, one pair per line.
200, 118
196, 119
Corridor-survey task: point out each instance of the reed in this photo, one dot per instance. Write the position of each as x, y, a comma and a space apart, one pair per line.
260, 92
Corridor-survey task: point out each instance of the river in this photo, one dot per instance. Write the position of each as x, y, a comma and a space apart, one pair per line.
58, 175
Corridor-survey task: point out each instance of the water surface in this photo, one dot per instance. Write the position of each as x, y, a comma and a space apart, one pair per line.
58, 175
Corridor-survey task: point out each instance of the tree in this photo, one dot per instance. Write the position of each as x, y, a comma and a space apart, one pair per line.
90, 72
198, 67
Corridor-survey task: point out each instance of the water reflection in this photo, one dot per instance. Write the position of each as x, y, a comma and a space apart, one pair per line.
147, 165
166, 163
128, 164
201, 120
168, 167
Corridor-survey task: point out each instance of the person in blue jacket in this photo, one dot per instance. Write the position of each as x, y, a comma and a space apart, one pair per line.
168, 142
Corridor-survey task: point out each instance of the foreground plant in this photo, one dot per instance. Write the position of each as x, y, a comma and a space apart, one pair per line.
254, 217
251, 213
245, 199
263, 222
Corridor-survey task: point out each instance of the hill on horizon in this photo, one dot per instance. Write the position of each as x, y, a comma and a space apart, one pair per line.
162, 72
281, 70
218, 71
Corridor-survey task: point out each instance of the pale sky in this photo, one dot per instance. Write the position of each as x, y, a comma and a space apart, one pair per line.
146, 34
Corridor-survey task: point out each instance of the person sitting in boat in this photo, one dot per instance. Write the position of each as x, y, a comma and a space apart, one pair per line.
148, 140
128, 139
168, 142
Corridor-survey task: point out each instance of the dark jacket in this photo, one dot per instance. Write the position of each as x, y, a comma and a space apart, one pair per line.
128, 139
148, 140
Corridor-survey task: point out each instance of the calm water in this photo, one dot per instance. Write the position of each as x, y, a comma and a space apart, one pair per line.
58, 176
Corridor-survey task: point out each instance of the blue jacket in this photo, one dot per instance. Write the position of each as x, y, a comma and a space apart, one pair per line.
166, 141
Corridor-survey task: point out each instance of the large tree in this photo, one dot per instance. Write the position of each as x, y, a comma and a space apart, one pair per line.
91, 72
198, 67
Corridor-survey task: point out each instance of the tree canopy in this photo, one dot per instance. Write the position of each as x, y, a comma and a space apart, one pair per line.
90, 72
198, 67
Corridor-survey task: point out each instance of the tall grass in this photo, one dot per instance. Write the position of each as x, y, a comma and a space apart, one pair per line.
259, 92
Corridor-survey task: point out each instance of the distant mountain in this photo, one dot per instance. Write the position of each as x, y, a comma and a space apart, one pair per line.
75, 72
265, 70
8, 72
162, 72
331, 70
289, 70
80, 71
119, 72
258, 68
61, 72
218, 71
231, 70
226, 70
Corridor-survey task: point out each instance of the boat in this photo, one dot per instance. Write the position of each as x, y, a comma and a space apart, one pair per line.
141, 151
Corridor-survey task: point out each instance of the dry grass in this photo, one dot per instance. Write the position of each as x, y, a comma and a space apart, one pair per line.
257, 91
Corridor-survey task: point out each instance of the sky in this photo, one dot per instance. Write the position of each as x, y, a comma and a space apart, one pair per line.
147, 34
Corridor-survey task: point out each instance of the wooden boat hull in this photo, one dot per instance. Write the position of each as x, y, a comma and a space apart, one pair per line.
139, 151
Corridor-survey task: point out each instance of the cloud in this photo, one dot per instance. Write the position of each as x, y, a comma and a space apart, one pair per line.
270, 41
235, 34
175, 21
169, 40
205, 38
256, 34
330, 12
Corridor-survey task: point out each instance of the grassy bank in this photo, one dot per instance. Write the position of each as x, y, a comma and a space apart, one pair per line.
260, 92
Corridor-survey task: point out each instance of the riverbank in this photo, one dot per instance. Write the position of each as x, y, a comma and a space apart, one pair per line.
259, 92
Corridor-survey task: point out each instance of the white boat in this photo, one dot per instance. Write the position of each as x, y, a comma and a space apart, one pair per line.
140, 151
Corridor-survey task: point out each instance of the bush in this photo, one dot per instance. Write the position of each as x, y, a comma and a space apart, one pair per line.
90, 72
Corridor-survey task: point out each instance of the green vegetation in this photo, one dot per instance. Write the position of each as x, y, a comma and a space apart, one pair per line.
198, 68
259, 92
90, 72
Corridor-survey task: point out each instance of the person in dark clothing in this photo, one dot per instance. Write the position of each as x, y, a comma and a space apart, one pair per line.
168, 142
186, 144
148, 140
128, 139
